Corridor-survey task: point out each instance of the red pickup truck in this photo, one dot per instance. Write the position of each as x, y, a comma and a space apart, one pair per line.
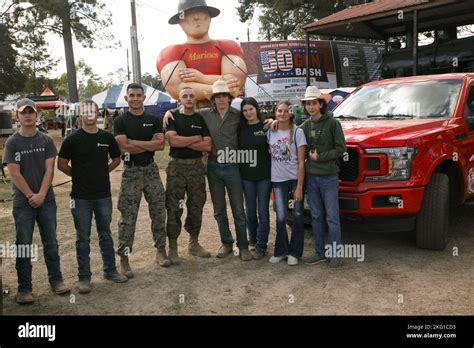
410, 154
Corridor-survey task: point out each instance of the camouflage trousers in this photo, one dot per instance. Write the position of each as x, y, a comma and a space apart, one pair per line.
136, 180
185, 177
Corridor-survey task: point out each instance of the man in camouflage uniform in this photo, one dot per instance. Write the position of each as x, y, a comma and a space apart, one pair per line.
139, 135
188, 137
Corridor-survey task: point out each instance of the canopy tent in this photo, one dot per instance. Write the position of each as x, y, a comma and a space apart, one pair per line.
156, 102
47, 100
48, 105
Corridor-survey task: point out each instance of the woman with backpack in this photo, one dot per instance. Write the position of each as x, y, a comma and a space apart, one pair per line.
287, 148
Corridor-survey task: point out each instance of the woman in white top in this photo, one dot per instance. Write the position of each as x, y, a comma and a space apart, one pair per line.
287, 148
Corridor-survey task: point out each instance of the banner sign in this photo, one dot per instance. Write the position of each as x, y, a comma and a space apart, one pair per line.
278, 68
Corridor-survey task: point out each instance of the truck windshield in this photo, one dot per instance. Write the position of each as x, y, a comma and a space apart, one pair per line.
428, 99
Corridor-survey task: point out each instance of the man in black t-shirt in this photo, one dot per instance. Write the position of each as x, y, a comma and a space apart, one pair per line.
139, 135
188, 137
88, 150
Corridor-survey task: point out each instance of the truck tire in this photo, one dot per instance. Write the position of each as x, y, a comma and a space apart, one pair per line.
432, 223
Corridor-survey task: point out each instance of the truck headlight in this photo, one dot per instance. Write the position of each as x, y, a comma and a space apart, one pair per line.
399, 161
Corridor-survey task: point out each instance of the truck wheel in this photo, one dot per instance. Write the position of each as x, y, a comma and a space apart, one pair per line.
432, 223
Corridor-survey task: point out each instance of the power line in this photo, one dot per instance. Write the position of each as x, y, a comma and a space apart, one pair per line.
139, 3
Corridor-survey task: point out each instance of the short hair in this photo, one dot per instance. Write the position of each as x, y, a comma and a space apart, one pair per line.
88, 103
186, 87
134, 85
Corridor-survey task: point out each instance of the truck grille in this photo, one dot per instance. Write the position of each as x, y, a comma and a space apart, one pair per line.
349, 169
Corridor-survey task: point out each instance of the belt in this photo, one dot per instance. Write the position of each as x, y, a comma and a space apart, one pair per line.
186, 160
144, 164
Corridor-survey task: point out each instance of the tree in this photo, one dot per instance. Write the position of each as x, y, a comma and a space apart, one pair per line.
33, 55
89, 83
284, 19
117, 77
60, 86
153, 81
12, 79
85, 20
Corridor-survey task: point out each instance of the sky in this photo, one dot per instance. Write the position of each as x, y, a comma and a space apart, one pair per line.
154, 34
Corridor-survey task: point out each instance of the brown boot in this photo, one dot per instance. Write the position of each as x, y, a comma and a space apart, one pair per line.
125, 267
162, 258
59, 288
24, 297
194, 248
173, 254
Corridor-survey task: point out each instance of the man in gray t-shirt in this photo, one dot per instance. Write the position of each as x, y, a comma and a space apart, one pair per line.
30, 156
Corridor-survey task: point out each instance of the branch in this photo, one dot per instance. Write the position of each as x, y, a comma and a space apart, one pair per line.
8, 9
50, 27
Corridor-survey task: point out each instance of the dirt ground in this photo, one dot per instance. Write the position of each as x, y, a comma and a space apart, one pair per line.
395, 278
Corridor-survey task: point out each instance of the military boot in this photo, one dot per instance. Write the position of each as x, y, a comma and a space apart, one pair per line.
162, 258
194, 248
173, 252
125, 267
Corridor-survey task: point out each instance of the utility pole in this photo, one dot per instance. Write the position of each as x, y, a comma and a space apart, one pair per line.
128, 67
137, 73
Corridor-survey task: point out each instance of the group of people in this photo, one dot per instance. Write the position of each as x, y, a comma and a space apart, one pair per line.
286, 158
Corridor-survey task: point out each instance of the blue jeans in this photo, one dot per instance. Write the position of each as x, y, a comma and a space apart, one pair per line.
282, 246
82, 210
45, 216
257, 196
222, 177
323, 198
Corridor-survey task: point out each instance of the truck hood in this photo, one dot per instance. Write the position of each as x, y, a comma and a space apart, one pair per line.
385, 133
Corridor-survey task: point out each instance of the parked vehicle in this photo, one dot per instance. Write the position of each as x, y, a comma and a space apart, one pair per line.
410, 154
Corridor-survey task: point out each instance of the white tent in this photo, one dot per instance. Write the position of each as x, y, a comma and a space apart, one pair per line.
113, 98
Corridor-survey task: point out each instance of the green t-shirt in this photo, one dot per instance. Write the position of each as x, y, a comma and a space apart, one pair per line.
253, 138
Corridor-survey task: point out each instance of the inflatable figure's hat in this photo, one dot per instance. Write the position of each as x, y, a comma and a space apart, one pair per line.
186, 5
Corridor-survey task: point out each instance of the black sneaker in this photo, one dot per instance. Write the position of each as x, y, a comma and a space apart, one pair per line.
314, 260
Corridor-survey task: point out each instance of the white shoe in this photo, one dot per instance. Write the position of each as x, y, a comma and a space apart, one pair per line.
292, 261
276, 259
